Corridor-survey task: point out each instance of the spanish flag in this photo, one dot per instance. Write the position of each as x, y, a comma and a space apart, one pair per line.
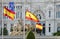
31, 16
39, 26
9, 13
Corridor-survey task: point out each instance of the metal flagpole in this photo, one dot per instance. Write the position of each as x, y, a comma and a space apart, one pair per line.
23, 17
2, 19
25, 2
32, 21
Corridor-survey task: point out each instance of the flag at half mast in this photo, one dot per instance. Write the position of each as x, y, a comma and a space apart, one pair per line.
9, 13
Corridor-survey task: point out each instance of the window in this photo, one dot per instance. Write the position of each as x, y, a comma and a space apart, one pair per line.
0, 22
49, 24
58, 11
17, 14
58, 14
49, 29
21, 15
58, 28
39, 16
49, 13
11, 29
18, 7
58, 6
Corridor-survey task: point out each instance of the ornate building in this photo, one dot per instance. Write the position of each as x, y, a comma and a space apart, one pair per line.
48, 12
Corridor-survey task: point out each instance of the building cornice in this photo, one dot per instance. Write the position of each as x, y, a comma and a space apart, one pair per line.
28, 2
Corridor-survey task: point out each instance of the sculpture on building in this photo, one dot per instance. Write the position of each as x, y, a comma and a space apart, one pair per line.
17, 29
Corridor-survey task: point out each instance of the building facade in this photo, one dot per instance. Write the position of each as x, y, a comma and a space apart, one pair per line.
48, 12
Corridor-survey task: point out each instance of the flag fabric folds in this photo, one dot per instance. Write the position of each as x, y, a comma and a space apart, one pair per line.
39, 26
9, 13
31, 16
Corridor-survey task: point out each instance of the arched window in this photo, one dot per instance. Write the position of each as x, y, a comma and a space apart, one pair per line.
39, 16
49, 13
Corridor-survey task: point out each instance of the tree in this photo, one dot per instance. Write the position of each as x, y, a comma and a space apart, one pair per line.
30, 35
5, 31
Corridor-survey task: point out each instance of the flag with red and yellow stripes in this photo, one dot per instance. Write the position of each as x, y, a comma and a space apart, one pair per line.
9, 13
39, 26
31, 16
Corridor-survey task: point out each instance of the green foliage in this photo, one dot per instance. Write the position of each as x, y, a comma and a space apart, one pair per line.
1, 31
30, 35
5, 31
56, 34
11, 29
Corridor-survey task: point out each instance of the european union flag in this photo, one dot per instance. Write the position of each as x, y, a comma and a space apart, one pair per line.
11, 6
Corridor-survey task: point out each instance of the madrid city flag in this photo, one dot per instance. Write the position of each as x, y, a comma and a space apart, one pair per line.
31, 16
39, 26
9, 13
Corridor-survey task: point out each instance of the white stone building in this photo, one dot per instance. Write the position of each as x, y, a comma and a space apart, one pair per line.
48, 12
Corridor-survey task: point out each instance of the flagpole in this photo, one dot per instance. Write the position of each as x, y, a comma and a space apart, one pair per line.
32, 21
2, 19
23, 17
